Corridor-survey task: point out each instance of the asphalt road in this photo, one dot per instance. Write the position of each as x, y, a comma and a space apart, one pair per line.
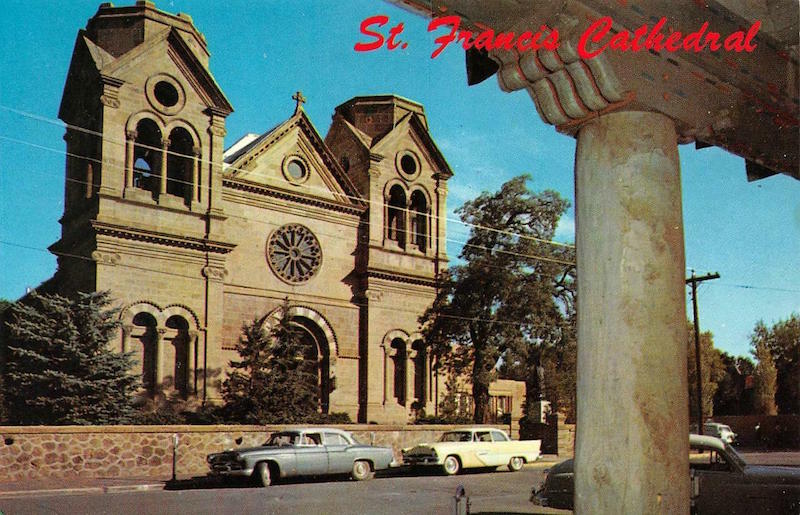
489, 493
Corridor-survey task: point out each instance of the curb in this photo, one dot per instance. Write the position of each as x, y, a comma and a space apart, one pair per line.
82, 490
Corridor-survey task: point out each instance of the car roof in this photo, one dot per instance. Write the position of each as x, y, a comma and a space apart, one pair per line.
706, 441
464, 429
312, 430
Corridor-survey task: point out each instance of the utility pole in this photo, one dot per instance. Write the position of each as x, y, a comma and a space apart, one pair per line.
694, 280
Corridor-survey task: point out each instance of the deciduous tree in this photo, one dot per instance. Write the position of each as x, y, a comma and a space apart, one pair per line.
782, 341
765, 379
511, 297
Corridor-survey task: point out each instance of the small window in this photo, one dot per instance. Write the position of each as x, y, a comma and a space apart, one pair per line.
295, 169
498, 436
407, 163
345, 161
483, 436
335, 439
166, 94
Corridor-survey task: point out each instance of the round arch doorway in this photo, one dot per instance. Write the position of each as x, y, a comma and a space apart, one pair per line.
316, 351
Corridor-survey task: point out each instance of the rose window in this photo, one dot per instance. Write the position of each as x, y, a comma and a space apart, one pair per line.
293, 253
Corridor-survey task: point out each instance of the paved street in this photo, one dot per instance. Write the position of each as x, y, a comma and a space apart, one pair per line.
490, 493
496, 492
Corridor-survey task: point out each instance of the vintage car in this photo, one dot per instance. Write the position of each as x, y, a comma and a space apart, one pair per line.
721, 431
721, 483
302, 452
473, 448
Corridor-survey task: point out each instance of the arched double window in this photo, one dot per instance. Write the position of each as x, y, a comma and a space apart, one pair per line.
166, 165
407, 219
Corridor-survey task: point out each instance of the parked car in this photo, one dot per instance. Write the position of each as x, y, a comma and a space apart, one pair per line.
302, 452
721, 431
722, 483
473, 448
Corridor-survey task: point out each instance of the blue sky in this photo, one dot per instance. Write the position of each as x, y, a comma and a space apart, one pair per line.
262, 52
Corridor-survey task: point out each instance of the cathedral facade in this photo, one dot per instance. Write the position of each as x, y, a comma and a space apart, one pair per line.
195, 236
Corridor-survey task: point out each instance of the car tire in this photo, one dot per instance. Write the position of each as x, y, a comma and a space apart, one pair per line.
451, 465
515, 464
262, 474
361, 470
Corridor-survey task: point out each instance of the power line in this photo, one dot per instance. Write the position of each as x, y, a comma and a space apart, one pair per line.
282, 292
103, 137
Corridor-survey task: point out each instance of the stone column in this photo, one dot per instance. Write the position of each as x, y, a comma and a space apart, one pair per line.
410, 368
191, 367
126, 335
632, 441
196, 175
130, 141
164, 156
387, 393
159, 357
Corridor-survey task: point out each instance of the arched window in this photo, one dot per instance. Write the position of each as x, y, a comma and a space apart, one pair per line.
146, 324
400, 363
420, 371
419, 220
147, 157
180, 348
395, 216
180, 162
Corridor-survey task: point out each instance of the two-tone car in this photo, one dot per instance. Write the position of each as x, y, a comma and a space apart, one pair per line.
476, 447
302, 452
722, 483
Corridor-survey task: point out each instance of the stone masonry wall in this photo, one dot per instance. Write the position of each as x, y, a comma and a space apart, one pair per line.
147, 451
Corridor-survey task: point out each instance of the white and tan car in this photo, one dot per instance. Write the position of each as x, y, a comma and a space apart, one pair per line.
476, 447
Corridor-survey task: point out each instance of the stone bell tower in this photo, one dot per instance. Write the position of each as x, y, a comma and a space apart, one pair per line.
384, 145
145, 127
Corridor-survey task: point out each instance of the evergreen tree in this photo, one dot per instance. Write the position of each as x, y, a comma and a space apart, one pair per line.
275, 381
60, 366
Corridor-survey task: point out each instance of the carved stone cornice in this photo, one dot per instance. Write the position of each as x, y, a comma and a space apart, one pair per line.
400, 277
171, 240
110, 96
215, 273
251, 187
105, 258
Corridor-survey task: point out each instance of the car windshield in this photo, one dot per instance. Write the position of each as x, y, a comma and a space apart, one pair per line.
735, 457
456, 436
279, 439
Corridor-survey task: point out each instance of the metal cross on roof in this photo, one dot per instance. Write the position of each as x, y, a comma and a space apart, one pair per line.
300, 99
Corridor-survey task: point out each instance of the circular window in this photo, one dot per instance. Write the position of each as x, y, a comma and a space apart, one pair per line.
166, 93
407, 163
293, 253
295, 169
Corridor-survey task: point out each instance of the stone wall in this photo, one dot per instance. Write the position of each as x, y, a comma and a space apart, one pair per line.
147, 451
774, 431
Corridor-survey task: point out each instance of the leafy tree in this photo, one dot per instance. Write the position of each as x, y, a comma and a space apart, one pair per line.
765, 379
732, 395
782, 341
60, 365
712, 368
275, 381
510, 299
